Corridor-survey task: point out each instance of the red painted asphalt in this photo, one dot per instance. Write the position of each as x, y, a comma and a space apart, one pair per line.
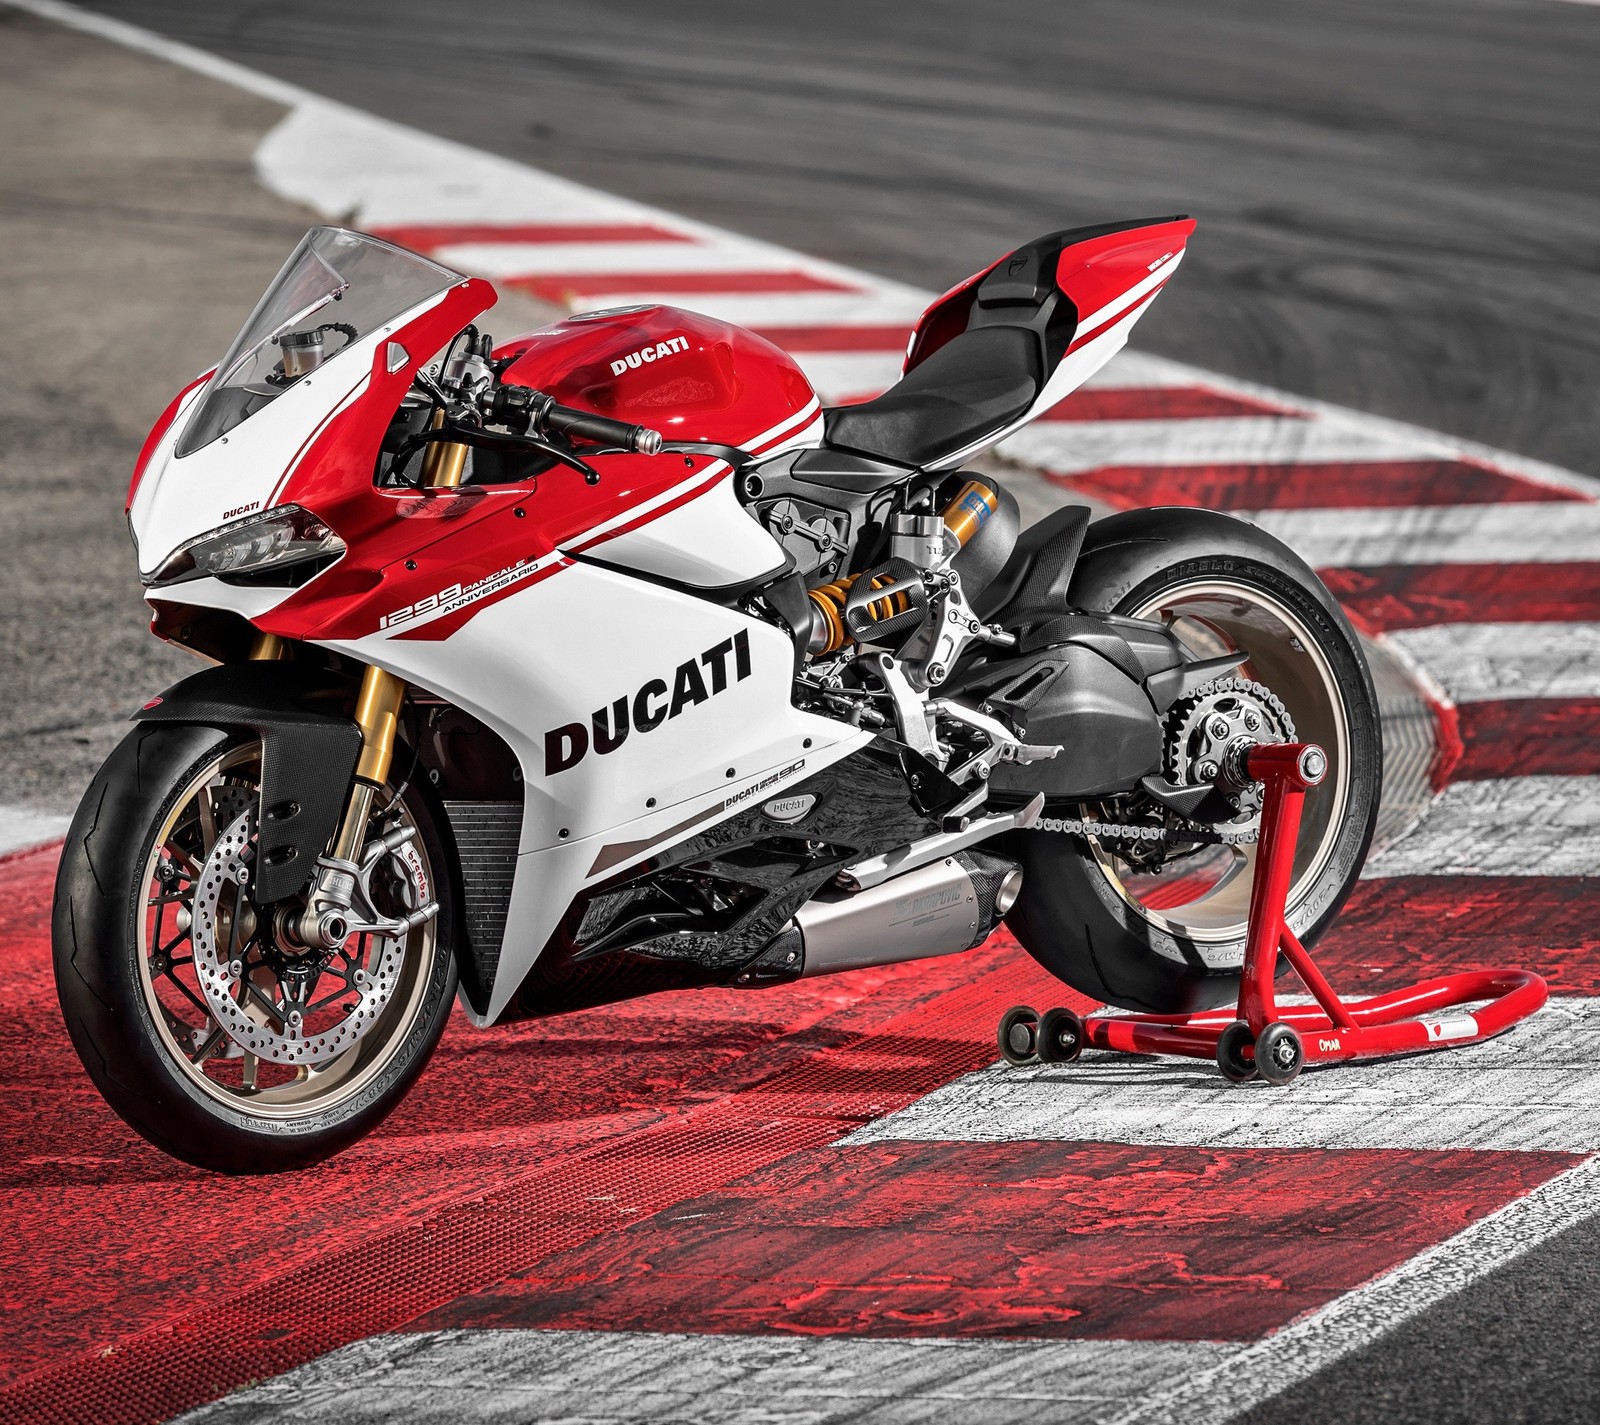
1390, 597
1084, 1240
149, 1287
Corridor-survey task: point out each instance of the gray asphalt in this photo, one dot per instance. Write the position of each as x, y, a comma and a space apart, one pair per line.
1399, 199
1400, 208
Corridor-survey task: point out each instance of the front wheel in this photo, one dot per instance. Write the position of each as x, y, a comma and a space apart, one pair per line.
1170, 939
200, 1019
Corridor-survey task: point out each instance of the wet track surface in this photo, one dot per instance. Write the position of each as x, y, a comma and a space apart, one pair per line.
1339, 265
1399, 202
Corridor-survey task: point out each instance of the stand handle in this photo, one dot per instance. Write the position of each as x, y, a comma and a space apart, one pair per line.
1286, 771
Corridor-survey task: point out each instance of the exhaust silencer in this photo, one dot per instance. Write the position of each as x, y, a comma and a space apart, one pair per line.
936, 910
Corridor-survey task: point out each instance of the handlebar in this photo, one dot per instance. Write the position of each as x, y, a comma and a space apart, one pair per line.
601, 429
534, 411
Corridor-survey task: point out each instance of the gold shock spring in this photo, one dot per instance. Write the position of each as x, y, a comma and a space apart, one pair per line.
829, 600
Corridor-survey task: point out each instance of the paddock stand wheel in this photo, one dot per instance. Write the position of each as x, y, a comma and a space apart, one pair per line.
1019, 1035
1279, 1054
1236, 1052
1261, 1038
1060, 1037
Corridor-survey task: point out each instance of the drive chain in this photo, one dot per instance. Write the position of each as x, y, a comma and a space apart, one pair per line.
1122, 831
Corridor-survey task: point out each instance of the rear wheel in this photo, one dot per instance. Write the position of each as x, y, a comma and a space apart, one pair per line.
1173, 941
201, 1021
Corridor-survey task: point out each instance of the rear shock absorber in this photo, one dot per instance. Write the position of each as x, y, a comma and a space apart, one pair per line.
963, 517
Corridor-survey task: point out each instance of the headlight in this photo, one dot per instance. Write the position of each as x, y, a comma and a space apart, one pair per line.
274, 540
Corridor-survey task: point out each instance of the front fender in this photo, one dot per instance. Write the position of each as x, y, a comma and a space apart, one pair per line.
309, 746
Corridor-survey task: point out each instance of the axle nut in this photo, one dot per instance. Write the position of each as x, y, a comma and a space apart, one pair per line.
1313, 765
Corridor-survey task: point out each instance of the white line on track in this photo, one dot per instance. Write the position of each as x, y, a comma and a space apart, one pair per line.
1537, 1088
1069, 446
518, 259
713, 1380
1224, 1388
1516, 826
1438, 534
1476, 662
24, 827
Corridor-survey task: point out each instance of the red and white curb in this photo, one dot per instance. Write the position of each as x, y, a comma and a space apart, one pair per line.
1476, 568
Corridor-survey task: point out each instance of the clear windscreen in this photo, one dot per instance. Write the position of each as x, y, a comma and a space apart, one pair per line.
337, 287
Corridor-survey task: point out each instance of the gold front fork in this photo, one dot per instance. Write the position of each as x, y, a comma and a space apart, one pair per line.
382, 694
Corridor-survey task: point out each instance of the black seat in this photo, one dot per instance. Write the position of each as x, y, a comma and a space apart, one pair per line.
1016, 325
976, 383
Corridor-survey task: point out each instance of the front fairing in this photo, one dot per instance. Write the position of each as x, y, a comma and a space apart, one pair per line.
315, 445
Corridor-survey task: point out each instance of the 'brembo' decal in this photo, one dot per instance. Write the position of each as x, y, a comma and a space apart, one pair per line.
651, 705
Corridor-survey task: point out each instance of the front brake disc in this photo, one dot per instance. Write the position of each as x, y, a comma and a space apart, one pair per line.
282, 1035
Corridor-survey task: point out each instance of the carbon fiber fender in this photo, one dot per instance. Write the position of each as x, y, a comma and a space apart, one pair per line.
309, 749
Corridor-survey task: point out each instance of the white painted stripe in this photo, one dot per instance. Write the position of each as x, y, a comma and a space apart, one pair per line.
1066, 447
770, 309
1519, 826
1536, 1088
1476, 662
713, 1380
854, 373
835, 375
512, 259
1134, 368
25, 827
1220, 1389
1439, 534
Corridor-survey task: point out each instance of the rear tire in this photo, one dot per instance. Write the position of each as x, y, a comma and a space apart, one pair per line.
1075, 915
99, 929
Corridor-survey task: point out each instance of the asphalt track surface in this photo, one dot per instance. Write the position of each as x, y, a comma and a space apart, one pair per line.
1399, 199
1436, 1367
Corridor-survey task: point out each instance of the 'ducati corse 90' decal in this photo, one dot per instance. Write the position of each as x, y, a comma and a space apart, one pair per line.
652, 704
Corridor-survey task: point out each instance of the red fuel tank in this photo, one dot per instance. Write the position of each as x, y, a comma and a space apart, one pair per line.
689, 376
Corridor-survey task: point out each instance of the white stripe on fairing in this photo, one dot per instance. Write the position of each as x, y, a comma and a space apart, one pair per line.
1478, 662
24, 827
701, 479
1135, 294
1536, 1088
1513, 826
713, 1379
1437, 534
787, 424
1066, 447
1221, 1389
799, 440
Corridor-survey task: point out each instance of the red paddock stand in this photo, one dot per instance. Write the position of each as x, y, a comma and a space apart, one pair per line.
1259, 1038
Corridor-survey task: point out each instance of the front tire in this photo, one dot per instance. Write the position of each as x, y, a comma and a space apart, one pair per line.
1132, 941
128, 992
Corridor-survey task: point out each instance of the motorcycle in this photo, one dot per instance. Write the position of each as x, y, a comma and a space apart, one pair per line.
606, 661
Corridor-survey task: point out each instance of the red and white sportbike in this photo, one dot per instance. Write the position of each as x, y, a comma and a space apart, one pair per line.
605, 661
